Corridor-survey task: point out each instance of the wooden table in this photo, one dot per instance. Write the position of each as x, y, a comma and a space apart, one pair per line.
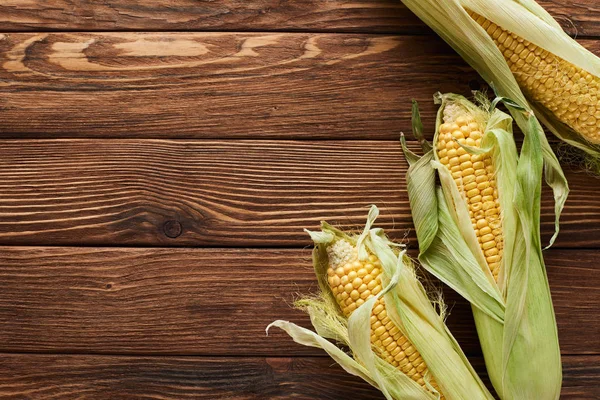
159, 160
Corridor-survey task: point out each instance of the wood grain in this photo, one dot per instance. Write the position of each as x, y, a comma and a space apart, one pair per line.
221, 193
231, 15
579, 17
223, 85
175, 323
101, 377
212, 301
220, 85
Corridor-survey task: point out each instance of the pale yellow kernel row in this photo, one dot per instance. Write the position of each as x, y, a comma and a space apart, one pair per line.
474, 176
353, 284
569, 92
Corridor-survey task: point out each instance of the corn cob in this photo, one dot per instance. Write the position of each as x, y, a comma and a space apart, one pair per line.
353, 282
474, 176
569, 92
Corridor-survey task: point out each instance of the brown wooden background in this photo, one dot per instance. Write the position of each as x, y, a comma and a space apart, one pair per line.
159, 160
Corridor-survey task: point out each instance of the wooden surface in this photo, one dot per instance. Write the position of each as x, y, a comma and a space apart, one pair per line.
220, 85
578, 17
221, 193
211, 301
256, 378
134, 132
224, 85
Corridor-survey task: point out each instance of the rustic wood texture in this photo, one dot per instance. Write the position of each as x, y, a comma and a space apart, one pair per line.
212, 301
221, 193
82, 114
578, 17
274, 378
230, 15
223, 85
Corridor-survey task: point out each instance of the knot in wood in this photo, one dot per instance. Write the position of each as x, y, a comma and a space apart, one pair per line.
172, 228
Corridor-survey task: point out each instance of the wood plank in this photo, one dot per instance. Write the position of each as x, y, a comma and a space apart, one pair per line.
231, 15
223, 85
212, 301
221, 193
579, 17
220, 85
317, 378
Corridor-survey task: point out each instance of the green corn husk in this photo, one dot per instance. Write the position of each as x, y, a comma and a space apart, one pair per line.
408, 306
526, 19
514, 316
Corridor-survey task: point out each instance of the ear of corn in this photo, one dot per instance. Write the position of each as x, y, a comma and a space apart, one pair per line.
478, 232
520, 50
372, 302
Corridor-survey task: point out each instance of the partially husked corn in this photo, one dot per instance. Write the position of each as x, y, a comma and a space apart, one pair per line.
375, 318
569, 92
353, 282
474, 176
